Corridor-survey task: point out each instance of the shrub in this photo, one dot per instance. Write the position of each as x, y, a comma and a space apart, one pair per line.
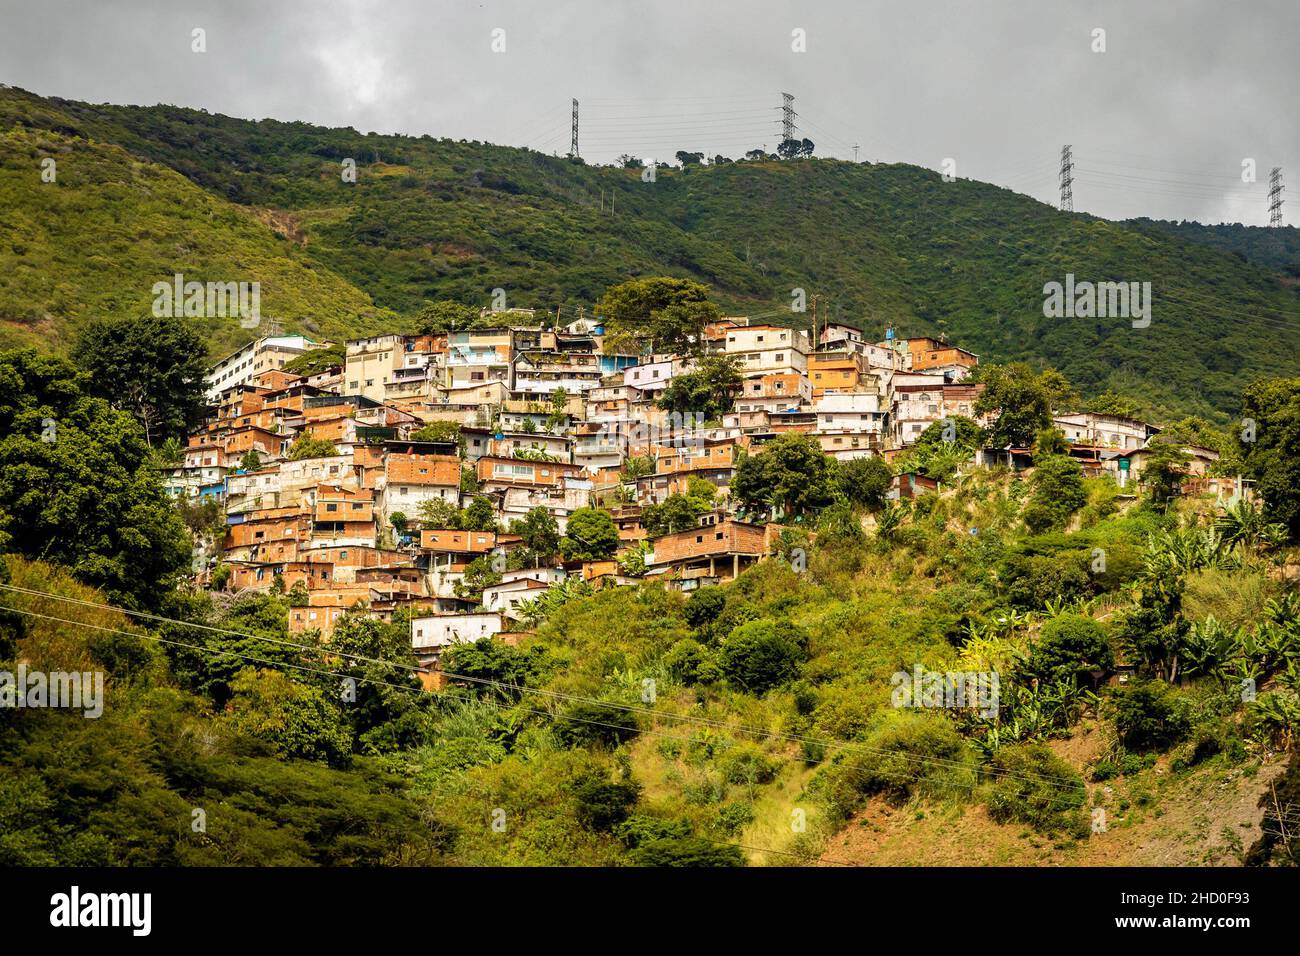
762, 654
1032, 785
1150, 716
1070, 645
602, 724
735, 816
746, 763
603, 806
906, 753
704, 606
686, 851
1030, 580
685, 660
639, 828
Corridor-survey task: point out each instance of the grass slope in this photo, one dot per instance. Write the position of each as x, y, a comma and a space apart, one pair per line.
95, 241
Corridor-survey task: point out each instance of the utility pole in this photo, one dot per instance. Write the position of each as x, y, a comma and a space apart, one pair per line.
1067, 180
1275, 189
573, 142
814, 321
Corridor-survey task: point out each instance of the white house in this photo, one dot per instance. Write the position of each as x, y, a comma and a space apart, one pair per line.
430, 635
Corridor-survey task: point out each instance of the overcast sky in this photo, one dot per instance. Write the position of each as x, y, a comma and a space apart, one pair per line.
1160, 122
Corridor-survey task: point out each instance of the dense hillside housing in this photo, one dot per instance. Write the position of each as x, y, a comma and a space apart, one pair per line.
517, 417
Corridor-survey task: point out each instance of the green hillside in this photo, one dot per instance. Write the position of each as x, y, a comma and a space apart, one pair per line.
881, 244
95, 241
1277, 250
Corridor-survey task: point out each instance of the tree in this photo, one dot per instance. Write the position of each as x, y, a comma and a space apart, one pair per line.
438, 432
1062, 396
602, 806
1270, 444
479, 515
445, 316
1113, 403
1057, 493
760, 655
943, 448
315, 361
670, 313
305, 446
708, 392
864, 481
76, 486
1021, 401
437, 514
686, 851
704, 605
689, 159
1050, 441
479, 574
1070, 645
794, 148
296, 720
539, 530
1165, 468
676, 513
251, 461
790, 472
589, 535
150, 366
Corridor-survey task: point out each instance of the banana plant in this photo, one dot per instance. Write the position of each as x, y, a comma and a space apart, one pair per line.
1275, 717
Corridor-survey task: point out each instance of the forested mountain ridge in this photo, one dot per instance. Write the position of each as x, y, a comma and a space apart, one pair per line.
432, 219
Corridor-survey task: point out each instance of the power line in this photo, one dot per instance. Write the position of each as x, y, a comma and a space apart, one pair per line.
495, 704
788, 738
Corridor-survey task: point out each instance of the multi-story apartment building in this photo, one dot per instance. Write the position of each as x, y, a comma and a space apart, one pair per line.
264, 354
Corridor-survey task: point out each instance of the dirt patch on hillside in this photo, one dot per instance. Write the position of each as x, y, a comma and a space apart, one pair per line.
1202, 818
284, 223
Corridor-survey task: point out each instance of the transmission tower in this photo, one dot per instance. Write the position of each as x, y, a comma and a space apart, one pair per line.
573, 141
1067, 178
1275, 188
787, 117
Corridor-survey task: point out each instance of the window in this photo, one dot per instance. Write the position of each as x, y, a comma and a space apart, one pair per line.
331, 507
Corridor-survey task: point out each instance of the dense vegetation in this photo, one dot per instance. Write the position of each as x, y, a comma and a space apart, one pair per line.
751, 723
430, 220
